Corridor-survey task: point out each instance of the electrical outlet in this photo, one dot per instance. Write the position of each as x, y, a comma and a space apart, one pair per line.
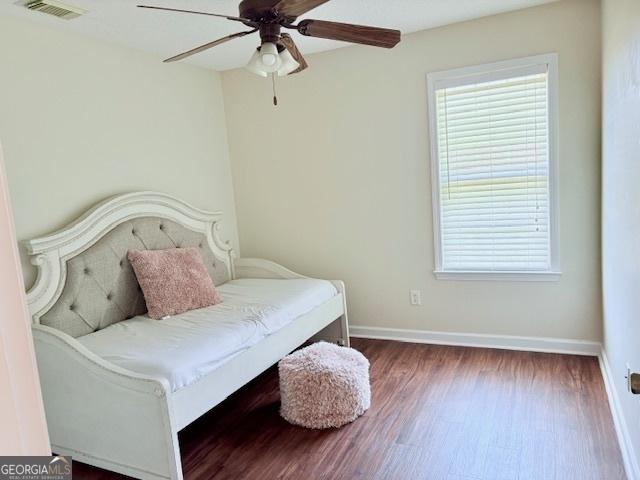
415, 297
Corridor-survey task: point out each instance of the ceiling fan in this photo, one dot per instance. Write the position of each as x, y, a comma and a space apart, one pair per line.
278, 54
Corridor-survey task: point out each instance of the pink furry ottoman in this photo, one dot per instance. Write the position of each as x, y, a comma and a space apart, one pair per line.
324, 385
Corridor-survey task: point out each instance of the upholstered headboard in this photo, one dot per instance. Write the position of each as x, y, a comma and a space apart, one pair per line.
85, 282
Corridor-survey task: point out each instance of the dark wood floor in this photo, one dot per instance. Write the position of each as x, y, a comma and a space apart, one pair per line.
437, 412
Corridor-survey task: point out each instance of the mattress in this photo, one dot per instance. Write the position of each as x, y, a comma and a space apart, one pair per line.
188, 346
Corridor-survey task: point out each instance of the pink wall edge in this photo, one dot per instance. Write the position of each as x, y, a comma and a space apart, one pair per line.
24, 429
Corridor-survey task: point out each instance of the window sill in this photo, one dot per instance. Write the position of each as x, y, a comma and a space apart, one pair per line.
499, 276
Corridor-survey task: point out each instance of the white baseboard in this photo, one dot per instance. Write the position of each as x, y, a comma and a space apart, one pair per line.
622, 431
506, 342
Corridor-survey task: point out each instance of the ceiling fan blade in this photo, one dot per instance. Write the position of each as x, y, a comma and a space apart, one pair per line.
228, 17
287, 42
377, 37
209, 45
295, 8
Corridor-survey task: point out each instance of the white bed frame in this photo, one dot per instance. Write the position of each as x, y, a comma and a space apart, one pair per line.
124, 421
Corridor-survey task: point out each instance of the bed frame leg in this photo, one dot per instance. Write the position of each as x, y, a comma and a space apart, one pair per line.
343, 320
338, 330
333, 333
343, 325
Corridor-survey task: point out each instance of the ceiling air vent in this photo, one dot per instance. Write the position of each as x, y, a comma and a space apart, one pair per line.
57, 9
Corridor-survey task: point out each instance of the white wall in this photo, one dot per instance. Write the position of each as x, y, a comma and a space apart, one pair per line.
621, 201
82, 120
335, 181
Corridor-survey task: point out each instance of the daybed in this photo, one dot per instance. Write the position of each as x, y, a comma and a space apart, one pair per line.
117, 385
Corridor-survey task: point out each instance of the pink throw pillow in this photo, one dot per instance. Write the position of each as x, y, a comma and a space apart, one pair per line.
173, 281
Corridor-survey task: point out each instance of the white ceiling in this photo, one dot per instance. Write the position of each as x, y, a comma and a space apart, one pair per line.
165, 34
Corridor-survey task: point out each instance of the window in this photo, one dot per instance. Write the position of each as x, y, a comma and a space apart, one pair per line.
494, 169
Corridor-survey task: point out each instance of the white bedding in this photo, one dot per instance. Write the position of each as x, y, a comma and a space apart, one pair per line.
185, 347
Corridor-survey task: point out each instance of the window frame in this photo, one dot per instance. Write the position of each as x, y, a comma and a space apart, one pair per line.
491, 70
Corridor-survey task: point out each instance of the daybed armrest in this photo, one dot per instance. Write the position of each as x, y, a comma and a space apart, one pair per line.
259, 268
105, 414
53, 344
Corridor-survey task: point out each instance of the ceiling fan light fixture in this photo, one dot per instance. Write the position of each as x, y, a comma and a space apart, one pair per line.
265, 62
288, 64
255, 64
269, 57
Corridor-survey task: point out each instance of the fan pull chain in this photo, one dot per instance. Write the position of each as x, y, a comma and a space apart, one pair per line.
273, 85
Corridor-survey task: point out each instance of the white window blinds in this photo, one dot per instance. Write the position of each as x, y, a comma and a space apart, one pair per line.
493, 170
